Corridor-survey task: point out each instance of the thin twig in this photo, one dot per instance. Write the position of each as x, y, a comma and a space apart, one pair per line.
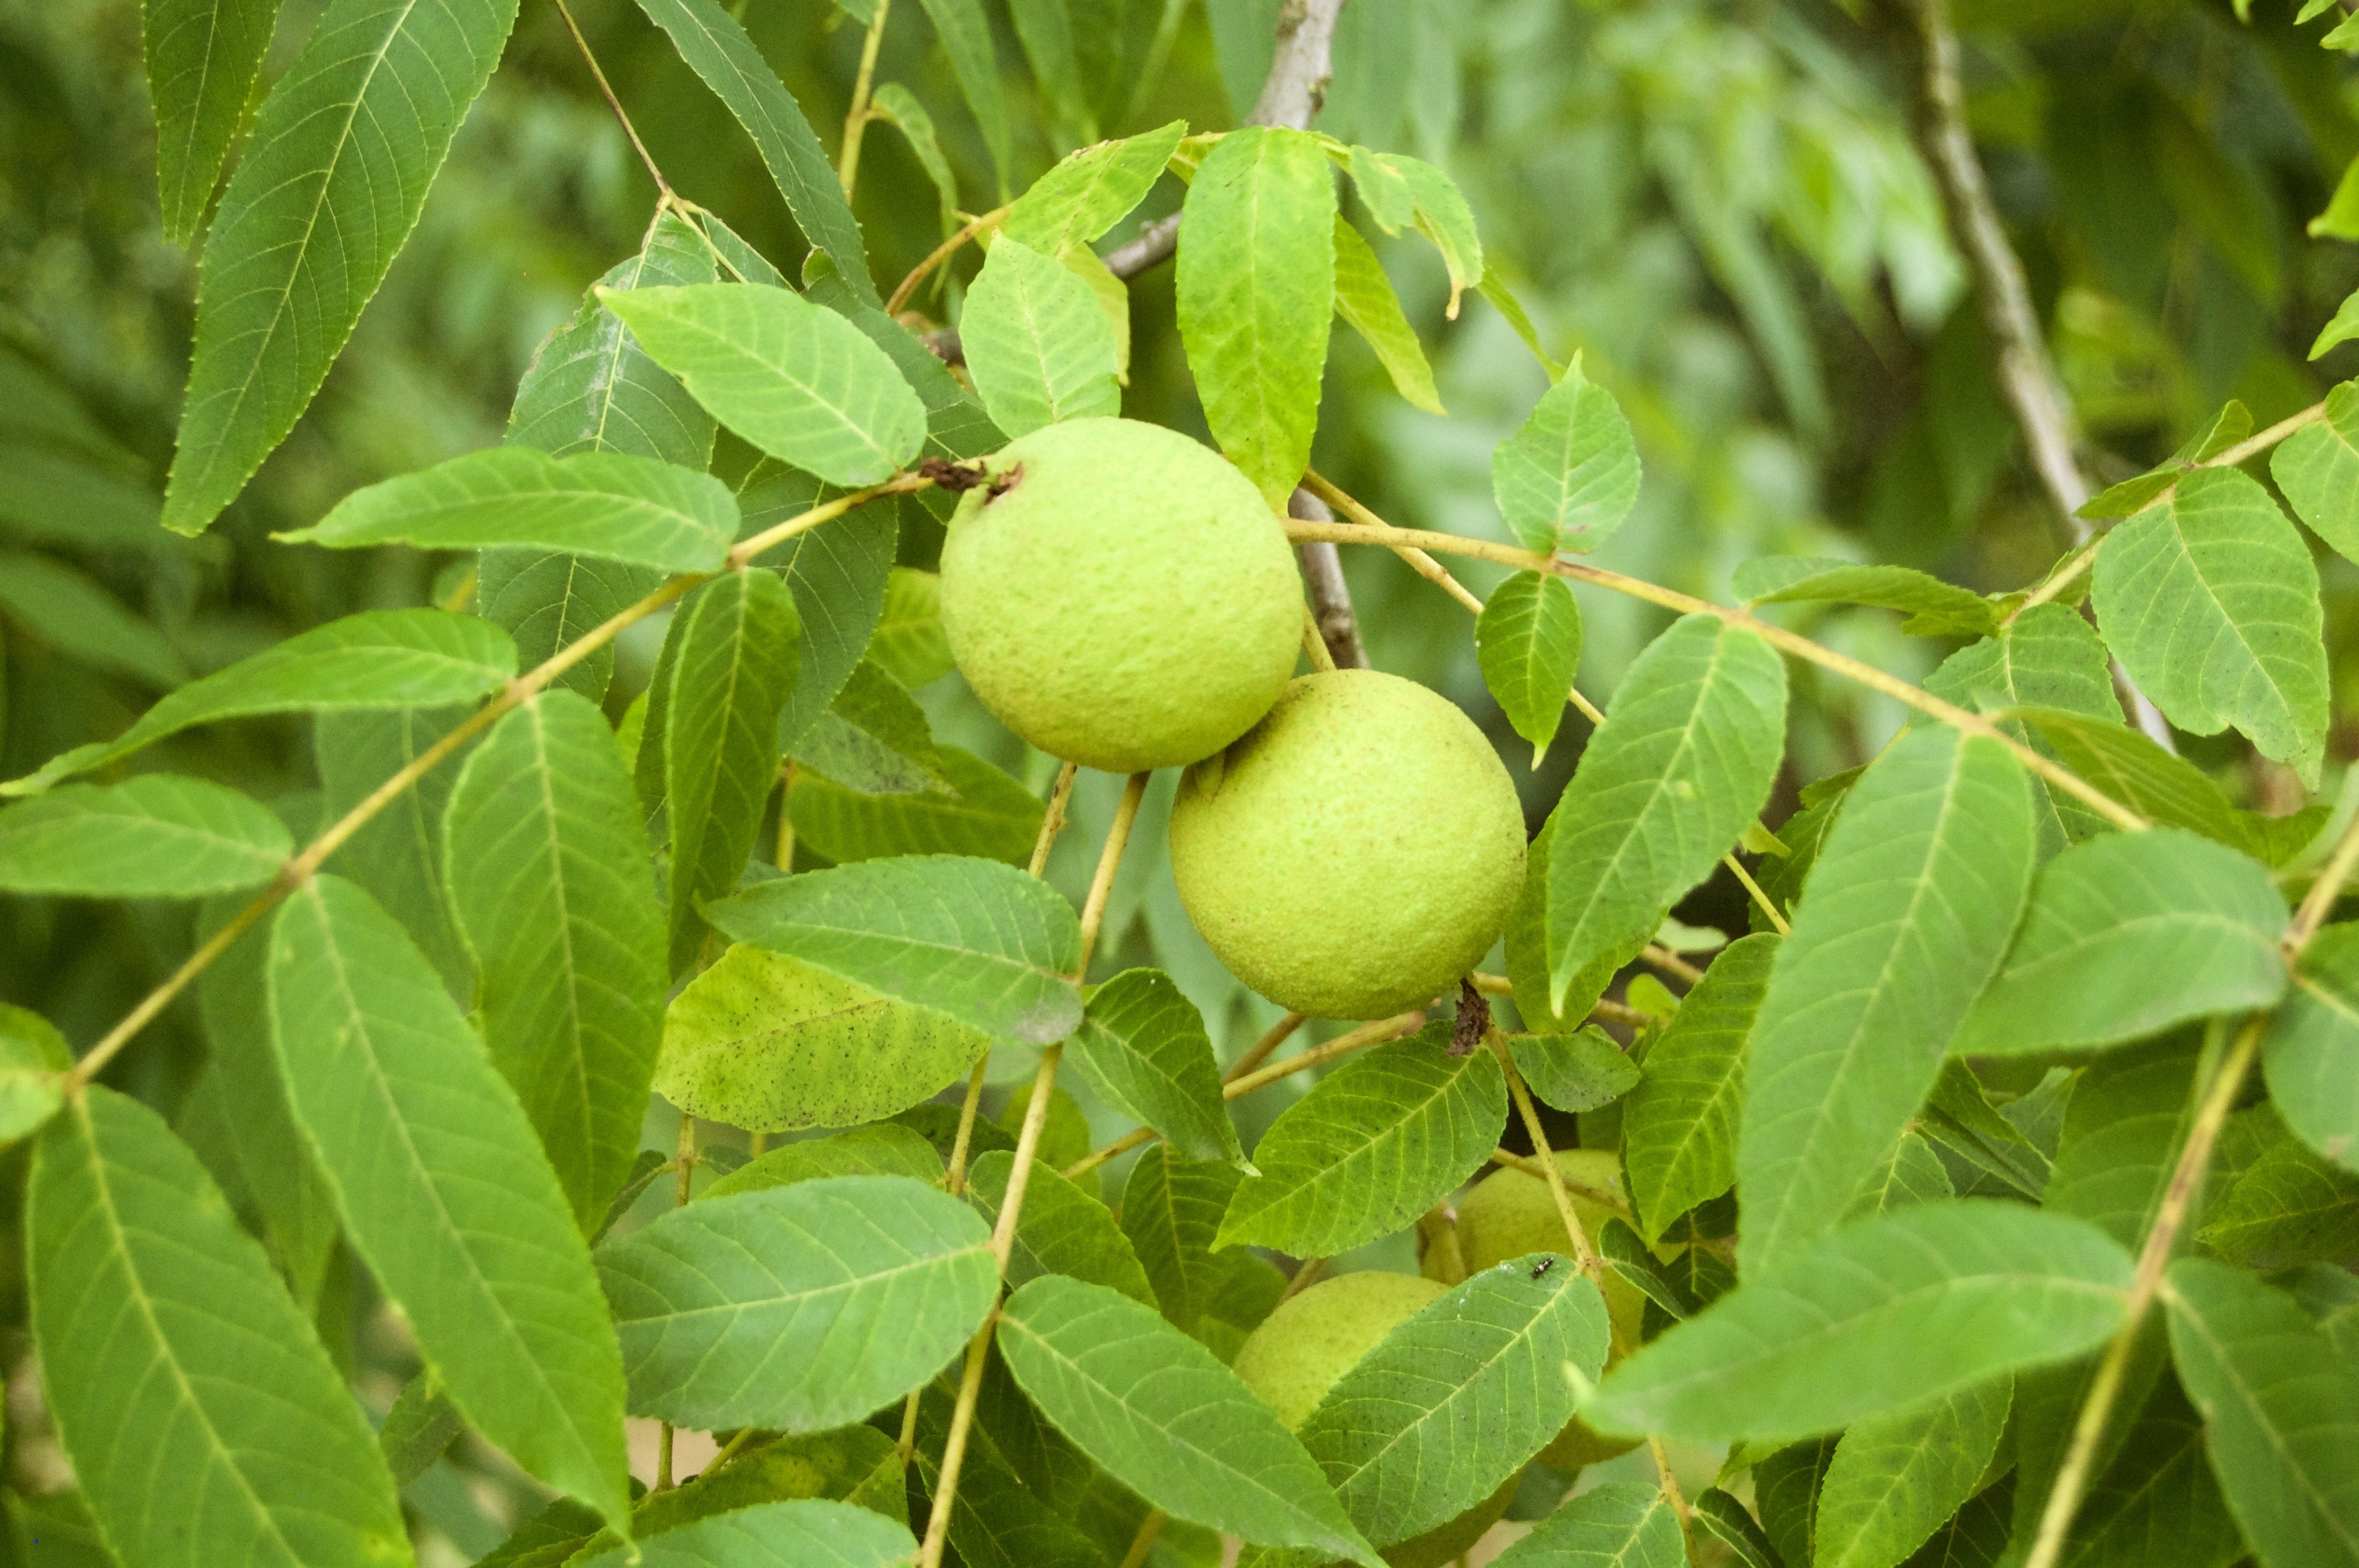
1761, 901
1278, 1034
1144, 1542
940, 255
1332, 615
856, 118
1670, 963
1778, 636
605, 89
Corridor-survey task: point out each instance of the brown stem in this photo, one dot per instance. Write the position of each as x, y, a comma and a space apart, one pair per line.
1330, 597
940, 255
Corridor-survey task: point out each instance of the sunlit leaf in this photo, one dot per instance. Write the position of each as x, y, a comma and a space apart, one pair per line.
1257, 281
1091, 190
1618, 1525
1934, 608
883, 1149
202, 57
2312, 1042
2318, 465
1036, 342
1568, 479
1365, 300
1143, 1049
1527, 642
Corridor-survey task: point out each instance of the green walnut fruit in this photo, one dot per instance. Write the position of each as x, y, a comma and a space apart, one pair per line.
1120, 596
1511, 1212
1353, 853
1304, 1347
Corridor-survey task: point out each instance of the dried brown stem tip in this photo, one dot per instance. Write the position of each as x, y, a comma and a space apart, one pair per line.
1474, 1019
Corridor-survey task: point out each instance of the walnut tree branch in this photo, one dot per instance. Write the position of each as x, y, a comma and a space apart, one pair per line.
2026, 374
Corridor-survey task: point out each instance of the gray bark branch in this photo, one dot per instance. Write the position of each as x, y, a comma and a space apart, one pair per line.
2026, 374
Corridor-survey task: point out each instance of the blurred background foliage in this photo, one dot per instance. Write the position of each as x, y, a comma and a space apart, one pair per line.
1719, 203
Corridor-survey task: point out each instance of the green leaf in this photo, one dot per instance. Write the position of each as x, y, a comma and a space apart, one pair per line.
33, 1058
2280, 1412
1574, 1072
2318, 465
1402, 191
990, 814
1681, 765
982, 941
1460, 1396
2289, 1206
1171, 1210
874, 739
1959, 1115
592, 388
1062, 1229
1909, 908
804, 1532
899, 107
838, 575
2167, 790
1036, 342
202, 57
1618, 1525
1527, 642
444, 1191
1719, 1515
2210, 601
1976, 1536
717, 48
1678, 1126
158, 836
596, 504
999, 1518
732, 673
1912, 1173
1257, 282
2047, 657
1503, 300
1047, 35
1837, 1331
2159, 1489
966, 32
184, 1383
1895, 1478
2121, 1137
795, 379
1091, 190
383, 658
1786, 1488
1164, 1418
1365, 300
772, 1044
1375, 1144
1567, 480
799, 1307
1934, 608
886, 1148
291, 1195
545, 860
418, 1431
2314, 1039
343, 150
396, 857
63, 606
1143, 1050
908, 644
2125, 935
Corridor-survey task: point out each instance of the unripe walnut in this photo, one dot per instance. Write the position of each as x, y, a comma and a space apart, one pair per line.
1310, 1340
1355, 852
1120, 596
